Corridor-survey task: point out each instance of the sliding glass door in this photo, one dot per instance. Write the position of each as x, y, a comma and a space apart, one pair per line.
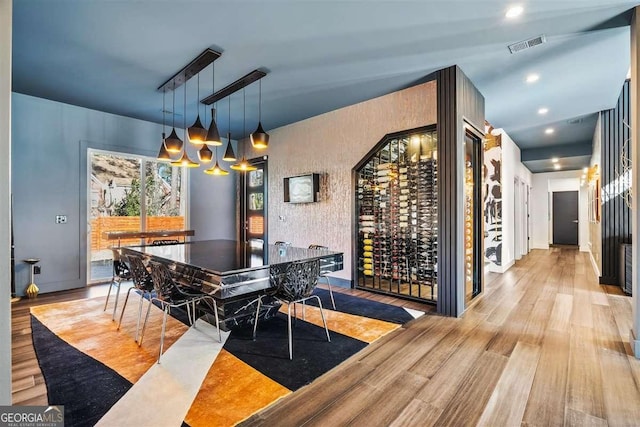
129, 193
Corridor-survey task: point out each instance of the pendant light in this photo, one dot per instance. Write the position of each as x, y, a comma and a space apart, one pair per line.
243, 165
197, 132
213, 135
184, 160
163, 154
216, 170
173, 143
260, 138
205, 154
229, 155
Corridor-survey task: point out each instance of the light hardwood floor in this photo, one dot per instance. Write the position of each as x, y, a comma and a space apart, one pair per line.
545, 346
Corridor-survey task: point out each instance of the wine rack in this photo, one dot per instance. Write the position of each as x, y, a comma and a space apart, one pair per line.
397, 205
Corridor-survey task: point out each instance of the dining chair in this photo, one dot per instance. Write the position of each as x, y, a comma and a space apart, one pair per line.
324, 275
142, 284
121, 272
293, 283
168, 294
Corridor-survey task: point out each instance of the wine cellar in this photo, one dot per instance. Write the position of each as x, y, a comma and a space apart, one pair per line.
397, 205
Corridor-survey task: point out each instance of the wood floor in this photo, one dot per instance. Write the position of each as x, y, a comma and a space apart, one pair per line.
545, 346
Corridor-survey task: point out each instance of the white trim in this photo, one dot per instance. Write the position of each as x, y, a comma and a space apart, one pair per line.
594, 264
500, 268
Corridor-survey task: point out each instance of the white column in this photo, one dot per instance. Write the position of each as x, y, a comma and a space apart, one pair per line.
635, 153
5, 201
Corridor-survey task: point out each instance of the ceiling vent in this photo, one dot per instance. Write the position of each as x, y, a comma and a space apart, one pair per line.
526, 44
575, 121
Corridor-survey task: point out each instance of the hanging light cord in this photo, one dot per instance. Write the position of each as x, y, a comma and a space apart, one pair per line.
260, 101
164, 92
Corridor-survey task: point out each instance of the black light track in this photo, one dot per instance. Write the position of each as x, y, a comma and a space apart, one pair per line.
194, 67
242, 82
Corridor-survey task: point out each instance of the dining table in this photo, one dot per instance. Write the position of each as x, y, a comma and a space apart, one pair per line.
233, 272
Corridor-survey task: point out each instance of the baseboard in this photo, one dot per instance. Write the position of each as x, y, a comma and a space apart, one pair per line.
635, 344
607, 280
594, 264
500, 268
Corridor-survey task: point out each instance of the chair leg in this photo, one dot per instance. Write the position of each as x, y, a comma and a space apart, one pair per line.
126, 299
255, 321
215, 308
324, 322
140, 305
164, 326
106, 302
144, 325
115, 303
333, 303
289, 330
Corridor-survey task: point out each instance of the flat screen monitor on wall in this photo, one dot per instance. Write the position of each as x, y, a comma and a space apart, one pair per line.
302, 189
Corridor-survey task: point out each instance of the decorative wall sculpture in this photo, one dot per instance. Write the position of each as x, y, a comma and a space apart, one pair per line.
493, 199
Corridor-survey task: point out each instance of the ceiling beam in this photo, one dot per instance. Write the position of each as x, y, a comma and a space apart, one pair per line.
560, 151
242, 82
194, 67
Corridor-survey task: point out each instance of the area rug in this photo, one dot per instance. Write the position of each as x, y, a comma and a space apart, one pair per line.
103, 377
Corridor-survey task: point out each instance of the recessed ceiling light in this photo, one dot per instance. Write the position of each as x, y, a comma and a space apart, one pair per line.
543, 110
556, 166
554, 160
532, 78
514, 11
548, 131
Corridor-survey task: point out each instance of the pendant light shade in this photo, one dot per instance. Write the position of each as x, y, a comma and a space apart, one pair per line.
197, 132
229, 155
163, 154
216, 170
185, 162
173, 143
213, 135
243, 166
260, 138
205, 154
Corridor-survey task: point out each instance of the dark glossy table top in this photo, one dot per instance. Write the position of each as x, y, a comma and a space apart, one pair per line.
224, 257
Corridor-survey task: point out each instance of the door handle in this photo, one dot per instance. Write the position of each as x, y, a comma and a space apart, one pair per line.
575, 221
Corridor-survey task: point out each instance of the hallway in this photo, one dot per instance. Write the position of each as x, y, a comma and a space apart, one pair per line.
546, 345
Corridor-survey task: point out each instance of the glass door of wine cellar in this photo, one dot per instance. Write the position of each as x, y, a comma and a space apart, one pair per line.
397, 208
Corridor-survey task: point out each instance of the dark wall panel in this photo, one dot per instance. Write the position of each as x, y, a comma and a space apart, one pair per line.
459, 102
616, 215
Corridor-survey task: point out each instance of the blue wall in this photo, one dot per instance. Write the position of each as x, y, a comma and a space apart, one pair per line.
49, 178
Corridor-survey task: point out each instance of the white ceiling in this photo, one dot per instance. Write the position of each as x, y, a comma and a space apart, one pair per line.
111, 56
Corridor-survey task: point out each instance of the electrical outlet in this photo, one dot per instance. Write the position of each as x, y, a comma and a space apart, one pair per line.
61, 219
36, 269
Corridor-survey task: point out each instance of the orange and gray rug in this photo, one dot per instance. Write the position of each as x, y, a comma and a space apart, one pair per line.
103, 377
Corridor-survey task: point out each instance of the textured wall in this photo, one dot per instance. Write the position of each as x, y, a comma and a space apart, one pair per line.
331, 144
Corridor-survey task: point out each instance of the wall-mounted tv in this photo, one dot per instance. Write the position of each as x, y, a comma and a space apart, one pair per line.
302, 189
